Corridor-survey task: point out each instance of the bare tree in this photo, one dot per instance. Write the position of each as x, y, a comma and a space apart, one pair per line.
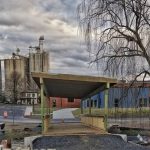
15, 86
117, 33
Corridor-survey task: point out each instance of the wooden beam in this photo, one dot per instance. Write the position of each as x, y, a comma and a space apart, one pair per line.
98, 90
70, 77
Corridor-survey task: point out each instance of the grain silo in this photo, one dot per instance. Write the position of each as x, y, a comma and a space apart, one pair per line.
16, 76
39, 59
17, 70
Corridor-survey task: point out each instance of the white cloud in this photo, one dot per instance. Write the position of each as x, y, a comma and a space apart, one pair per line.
22, 22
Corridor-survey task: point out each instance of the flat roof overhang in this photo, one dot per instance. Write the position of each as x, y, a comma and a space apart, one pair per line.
74, 86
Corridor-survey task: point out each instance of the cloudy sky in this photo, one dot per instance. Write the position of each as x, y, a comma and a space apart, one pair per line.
23, 21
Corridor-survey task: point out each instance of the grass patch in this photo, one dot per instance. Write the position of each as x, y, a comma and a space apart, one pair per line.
132, 132
16, 135
94, 111
115, 112
18, 132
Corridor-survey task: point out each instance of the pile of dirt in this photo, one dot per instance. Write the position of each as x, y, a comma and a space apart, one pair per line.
82, 142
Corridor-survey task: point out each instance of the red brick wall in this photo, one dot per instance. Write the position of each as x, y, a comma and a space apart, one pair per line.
63, 102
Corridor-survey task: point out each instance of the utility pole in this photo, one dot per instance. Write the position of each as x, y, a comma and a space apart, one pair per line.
14, 85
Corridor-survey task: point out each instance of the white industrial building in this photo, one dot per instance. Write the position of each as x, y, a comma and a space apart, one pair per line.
17, 72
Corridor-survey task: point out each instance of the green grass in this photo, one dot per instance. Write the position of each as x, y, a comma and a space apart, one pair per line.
94, 111
113, 112
17, 132
132, 132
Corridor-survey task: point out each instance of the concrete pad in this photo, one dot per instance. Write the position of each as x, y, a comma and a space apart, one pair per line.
64, 113
72, 129
28, 140
123, 136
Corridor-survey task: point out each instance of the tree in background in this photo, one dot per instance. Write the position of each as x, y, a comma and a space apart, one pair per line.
15, 86
117, 33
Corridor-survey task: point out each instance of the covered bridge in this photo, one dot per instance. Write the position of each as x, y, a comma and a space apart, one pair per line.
72, 86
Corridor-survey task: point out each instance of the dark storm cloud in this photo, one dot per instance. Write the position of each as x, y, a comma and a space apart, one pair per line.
80, 57
64, 10
73, 63
8, 22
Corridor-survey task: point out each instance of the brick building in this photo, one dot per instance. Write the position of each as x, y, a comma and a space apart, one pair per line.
64, 102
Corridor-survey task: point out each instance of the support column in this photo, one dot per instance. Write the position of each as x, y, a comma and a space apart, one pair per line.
48, 103
106, 105
81, 105
46, 110
89, 106
47, 119
42, 103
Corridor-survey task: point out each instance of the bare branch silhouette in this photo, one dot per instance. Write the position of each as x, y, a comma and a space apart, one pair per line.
117, 32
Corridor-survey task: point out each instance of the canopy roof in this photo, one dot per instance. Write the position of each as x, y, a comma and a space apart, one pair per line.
74, 86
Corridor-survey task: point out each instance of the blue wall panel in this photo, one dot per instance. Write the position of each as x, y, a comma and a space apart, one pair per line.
126, 98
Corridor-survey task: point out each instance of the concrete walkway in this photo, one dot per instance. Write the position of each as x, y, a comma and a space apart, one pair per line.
64, 113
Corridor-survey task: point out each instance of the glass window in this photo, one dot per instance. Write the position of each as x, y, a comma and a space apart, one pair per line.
145, 102
87, 103
116, 102
95, 103
140, 102
28, 94
70, 99
91, 103
54, 103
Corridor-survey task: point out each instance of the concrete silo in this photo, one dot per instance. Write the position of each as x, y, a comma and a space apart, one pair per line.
39, 62
39, 59
17, 70
16, 76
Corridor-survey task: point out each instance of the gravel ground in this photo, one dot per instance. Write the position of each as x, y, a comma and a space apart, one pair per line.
84, 142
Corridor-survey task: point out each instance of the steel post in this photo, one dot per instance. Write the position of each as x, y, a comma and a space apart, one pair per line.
81, 105
89, 106
106, 105
42, 102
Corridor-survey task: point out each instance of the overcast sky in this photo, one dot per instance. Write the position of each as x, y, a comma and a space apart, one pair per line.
23, 21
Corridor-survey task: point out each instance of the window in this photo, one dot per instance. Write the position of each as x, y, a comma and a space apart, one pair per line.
33, 94
87, 103
28, 95
99, 102
54, 103
145, 102
95, 103
140, 102
116, 102
70, 100
92, 103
